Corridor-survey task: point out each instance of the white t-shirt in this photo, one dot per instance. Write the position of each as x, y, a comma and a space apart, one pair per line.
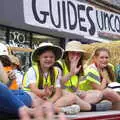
19, 77
31, 77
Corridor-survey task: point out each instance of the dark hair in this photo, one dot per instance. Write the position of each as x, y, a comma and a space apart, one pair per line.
52, 73
44, 50
5, 60
52, 76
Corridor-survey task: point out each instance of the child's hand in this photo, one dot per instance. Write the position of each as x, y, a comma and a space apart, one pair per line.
11, 75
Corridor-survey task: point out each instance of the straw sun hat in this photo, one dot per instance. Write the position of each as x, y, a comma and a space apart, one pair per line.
75, 46
58, 51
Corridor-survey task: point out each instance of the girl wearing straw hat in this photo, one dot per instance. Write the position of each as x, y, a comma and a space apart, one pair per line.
72, 70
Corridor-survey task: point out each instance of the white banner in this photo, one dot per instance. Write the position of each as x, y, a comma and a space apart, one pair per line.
70, 16
107, 22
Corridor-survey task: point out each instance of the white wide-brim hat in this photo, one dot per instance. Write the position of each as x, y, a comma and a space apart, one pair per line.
58, 51
75, 46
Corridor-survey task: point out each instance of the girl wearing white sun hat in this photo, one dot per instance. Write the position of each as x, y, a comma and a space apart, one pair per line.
42, 78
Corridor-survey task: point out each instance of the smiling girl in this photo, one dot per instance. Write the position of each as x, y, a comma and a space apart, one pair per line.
99, 74
43, 79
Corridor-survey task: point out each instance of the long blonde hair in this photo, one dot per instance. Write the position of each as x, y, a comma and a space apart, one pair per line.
108, 67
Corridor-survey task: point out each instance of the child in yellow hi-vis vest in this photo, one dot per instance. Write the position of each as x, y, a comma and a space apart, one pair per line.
100, 74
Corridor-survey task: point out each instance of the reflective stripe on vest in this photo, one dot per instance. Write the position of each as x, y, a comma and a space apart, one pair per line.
74, 79
91, 75
35, 67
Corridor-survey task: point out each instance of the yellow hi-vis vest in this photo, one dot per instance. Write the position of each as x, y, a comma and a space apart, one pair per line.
91, 75
35, 67
72, 84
